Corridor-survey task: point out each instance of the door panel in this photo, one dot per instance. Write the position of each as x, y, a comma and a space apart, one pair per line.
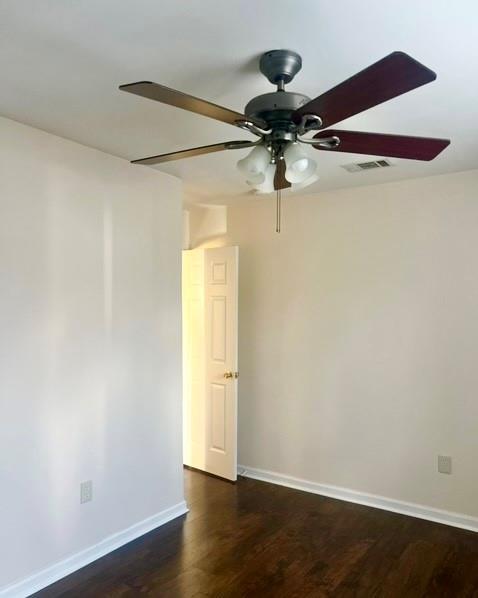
218, 417
220, 331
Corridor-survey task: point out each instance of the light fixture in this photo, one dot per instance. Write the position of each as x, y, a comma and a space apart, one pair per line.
259, 169
254, 165
299, 167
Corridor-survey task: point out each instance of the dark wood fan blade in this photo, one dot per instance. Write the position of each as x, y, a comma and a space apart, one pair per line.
388, 78
377, 144
154, 91
195, 151
280, 182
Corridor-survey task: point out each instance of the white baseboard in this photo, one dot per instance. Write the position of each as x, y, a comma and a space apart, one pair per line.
40, 580
370, 500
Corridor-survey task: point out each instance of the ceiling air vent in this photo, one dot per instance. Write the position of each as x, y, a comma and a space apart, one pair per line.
359, 166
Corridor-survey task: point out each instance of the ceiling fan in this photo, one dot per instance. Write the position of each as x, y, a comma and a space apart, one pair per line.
281, 120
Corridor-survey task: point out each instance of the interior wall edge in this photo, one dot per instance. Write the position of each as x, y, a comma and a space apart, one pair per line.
459, 520
59, 570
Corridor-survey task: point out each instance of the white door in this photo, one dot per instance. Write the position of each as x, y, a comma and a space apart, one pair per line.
210, 364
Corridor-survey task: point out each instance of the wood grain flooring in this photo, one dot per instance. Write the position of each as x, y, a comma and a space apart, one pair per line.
258, 539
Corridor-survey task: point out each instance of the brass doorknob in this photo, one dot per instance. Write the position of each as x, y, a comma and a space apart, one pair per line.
231, 375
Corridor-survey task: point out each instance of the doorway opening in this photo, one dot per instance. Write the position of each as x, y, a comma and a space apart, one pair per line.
210, 358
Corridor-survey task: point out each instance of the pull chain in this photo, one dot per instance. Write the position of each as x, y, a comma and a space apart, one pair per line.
278, 210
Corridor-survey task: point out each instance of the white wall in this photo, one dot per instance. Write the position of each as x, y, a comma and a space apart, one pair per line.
205, 224
359, 338
90, 361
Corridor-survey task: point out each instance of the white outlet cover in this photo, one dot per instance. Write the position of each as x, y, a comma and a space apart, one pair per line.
86, 491
444, 464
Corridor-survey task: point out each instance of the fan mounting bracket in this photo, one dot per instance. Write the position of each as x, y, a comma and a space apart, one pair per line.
280, 66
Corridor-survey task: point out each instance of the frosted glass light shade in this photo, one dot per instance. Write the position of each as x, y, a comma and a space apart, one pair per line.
256, 179
268, 185
299, 167
255, 163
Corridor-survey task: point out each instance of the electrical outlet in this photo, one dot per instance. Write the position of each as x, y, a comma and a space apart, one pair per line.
444, 464
86, 491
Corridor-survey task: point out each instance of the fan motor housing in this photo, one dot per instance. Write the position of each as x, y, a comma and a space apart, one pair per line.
276, 108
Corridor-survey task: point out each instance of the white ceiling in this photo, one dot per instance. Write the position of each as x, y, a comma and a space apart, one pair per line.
61, 62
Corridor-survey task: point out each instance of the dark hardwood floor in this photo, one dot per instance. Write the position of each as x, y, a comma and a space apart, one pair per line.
257, 539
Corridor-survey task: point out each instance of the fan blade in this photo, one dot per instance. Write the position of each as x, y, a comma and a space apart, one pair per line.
160, 93
388, 78
377, 144
280, 182
195, 151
